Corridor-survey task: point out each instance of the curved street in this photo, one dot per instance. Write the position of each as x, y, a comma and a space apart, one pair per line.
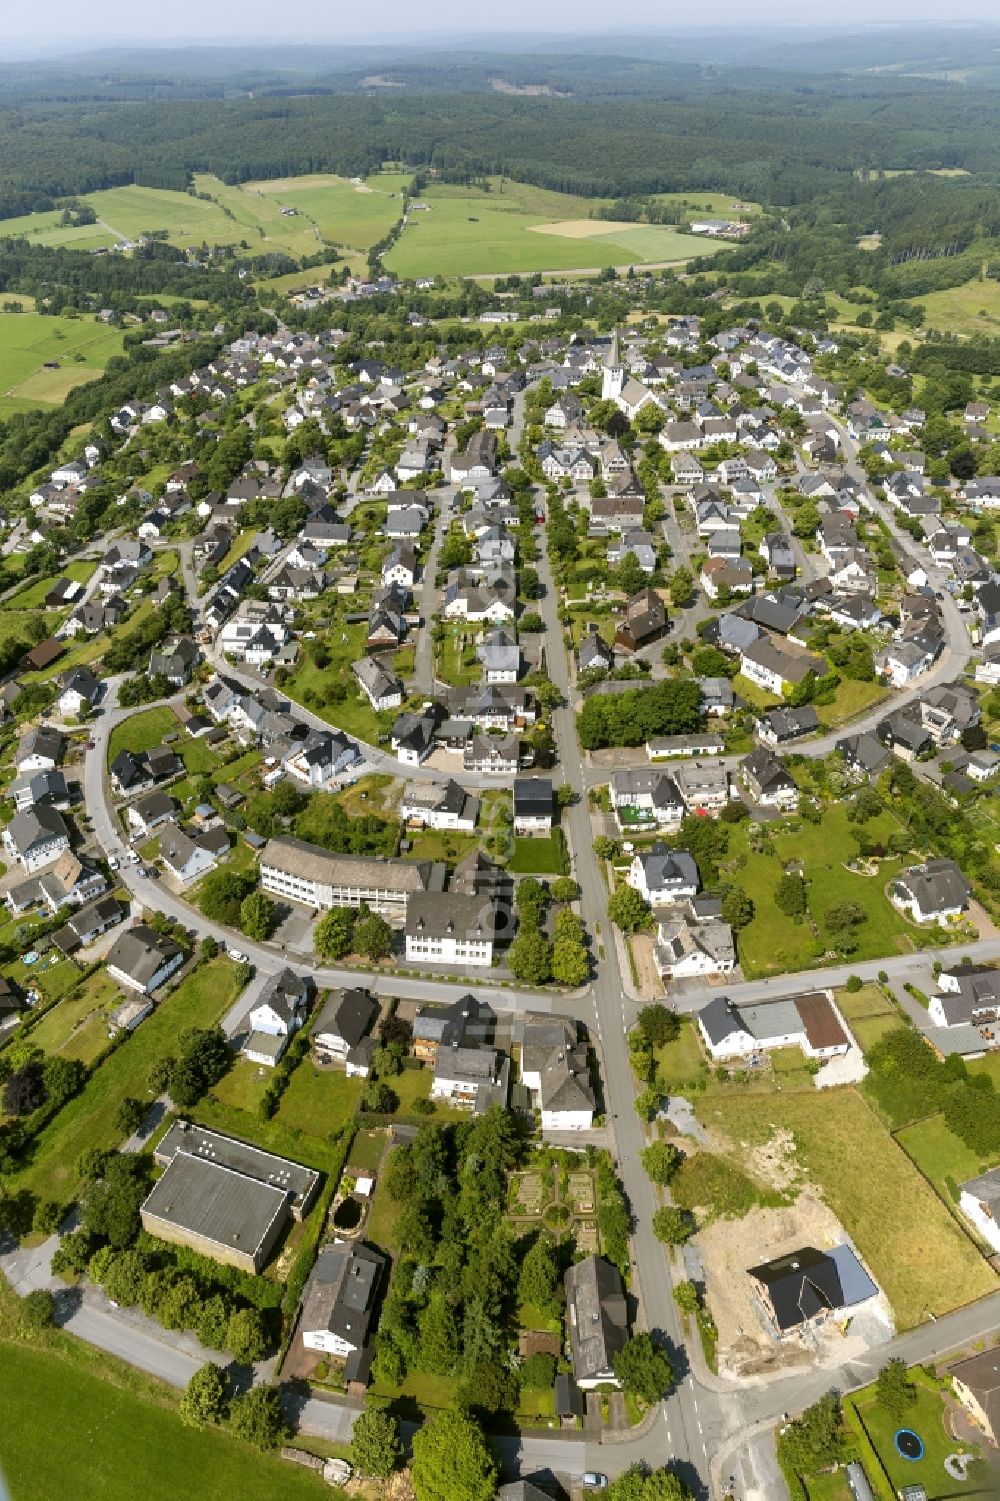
707, 1427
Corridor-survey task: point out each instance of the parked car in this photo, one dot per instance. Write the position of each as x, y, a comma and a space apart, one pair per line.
595, 1481
238, 957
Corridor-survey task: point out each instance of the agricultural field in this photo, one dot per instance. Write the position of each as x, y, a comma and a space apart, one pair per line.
328, 209
916, 1251
344, 213
516, 227
973, 308
64, 1420
80, 347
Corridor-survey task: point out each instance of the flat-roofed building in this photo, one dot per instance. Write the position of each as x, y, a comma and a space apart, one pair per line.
224, 1197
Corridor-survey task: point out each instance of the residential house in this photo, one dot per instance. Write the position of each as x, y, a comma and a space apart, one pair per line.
188, 858
936, 891
39, 749
493, 755
645, 621
381, 687
276, 1016
339, 1303
143, 960
555, 1068
703, 785
533, 806
450, 928
36, 837
768, 781
979, 1201
810, 1021
693, 941
433, 805
976, 1383
645, 798
346, 1018
150, 812
778, 665
598, 1321
781, 726
664, 876
501, 657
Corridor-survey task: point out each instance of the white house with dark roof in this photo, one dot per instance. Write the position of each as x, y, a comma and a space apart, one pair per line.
276, 1016
555, 1068
936, 891
344, 1020
36, 837
451, 928
664, 876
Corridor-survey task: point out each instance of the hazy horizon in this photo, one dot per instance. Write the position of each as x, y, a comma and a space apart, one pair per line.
112, 23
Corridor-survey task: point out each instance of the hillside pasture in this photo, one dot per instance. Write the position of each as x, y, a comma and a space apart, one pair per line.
81, 347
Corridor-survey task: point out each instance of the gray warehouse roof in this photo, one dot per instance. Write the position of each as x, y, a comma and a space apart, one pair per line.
216, 1203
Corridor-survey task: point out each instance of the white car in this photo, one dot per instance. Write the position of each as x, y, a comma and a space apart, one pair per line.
113, 862
595, 1481
238, 957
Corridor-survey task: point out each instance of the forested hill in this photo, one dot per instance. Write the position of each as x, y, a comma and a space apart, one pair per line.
783, 147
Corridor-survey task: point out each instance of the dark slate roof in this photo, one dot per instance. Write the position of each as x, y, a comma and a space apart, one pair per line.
800, 1285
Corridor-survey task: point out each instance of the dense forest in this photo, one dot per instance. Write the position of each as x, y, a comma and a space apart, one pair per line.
781, 145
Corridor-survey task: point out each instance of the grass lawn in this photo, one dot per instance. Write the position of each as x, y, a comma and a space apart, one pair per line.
242, 1087
972, 308
81, 347
342, 213
32, 596
851, 699
869, 1013
914, 1248
925, 1417
538, 856
76, 1027
64, 1421
147, 730
144, 731
415, 1084
353, 714
366, 1150
54, 977
439, 844
381, 1224
201, 1000
456, 662
375, 793
516, 227
941, 1155
680, 1061
318, 1101
771, 943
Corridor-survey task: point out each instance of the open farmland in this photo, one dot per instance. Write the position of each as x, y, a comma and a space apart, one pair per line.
80, 347
515, 227
328, 209
343, 213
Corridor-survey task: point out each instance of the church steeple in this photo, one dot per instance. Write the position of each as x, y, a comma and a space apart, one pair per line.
614, 371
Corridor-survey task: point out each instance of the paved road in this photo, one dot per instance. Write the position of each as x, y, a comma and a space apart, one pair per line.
697, 1420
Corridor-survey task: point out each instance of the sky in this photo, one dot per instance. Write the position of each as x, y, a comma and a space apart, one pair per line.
94, 22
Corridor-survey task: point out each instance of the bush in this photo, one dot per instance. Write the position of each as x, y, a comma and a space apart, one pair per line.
539, 1371
39, 1308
